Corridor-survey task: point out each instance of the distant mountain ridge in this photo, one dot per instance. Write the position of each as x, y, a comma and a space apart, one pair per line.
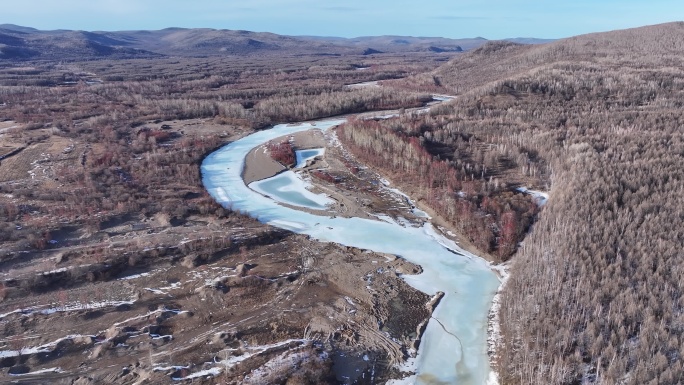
25, 43
391, 43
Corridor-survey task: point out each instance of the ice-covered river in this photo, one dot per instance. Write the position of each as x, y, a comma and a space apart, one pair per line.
453, 348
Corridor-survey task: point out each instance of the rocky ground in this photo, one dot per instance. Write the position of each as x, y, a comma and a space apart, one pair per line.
222, 317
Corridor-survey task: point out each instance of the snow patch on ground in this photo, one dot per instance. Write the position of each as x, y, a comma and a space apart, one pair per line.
3, 130
414, 209
49, 370
540, 197
409, 366
61, 270
213, 372
229, 363
363, 85
166, 368
165, 290
493, 378
137, 317
383, 117
494, 337
263, 375
76, 306
442, 98
135, 276
45, 348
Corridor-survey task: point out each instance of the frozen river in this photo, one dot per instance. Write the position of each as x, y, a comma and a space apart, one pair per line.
453, 348
288, 187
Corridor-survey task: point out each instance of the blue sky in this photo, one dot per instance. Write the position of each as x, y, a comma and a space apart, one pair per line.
492, 19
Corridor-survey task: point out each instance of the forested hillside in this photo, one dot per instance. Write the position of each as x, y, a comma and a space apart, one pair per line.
595, 294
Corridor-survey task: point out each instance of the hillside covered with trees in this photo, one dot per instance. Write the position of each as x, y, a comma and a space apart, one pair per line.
595, 294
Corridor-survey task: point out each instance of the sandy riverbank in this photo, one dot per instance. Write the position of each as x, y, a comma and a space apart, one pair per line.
259, 164
349, 200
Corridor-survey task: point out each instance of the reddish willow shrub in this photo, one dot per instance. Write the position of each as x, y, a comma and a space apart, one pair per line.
282, 152
324, 176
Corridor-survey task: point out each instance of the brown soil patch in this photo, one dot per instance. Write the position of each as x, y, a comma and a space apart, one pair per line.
259, 165
308, 139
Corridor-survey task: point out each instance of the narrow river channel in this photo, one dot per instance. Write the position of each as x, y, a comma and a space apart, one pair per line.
453, 348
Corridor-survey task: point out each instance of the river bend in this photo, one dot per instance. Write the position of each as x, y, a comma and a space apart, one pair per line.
453, 348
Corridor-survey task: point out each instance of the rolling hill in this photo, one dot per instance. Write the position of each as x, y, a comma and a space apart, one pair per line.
17, 42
